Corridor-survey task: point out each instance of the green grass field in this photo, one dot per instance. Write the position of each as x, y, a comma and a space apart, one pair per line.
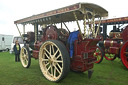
106, 73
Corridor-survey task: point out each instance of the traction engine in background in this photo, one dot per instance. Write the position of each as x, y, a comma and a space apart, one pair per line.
116, 45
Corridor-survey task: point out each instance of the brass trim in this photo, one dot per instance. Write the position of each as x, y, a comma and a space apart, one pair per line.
104, 42
111, 44
121, 43
116, 50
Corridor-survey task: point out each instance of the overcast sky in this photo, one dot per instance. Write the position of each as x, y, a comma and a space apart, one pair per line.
12, 10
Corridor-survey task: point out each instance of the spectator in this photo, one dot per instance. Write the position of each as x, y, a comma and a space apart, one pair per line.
17, 49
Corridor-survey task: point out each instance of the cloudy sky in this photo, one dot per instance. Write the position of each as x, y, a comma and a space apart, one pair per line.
11, 10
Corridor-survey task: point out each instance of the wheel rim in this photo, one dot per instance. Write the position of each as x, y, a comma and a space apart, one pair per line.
98, 55
124, 55
109, 56
51, 61
24, 57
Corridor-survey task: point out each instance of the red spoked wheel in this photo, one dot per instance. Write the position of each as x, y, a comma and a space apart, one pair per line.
109, 56
99, 54
124, 54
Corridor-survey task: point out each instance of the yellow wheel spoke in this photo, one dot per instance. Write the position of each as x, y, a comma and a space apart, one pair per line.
47, 51
44, 59
56, 52
50, 50
54, 72
46, 64
48, 68
47, 55
57, 69
53, 49
58, 56
58, 61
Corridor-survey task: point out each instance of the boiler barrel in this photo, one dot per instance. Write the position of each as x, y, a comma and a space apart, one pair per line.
110, 43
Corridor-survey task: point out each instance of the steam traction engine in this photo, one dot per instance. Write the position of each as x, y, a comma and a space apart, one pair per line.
60, 50
116, 44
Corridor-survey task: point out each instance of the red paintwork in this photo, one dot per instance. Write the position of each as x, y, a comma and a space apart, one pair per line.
50, 33
125, 34
84, 47
116, 35
35, 54
114, 50
79, 62
112, 46
124, 54
111, 43
121, 19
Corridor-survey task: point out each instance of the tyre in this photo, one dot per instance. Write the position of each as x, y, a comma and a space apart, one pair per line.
99, 54
54, 60
25, 57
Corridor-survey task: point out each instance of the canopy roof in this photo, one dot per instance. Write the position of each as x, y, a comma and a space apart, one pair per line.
120, 20
64, 14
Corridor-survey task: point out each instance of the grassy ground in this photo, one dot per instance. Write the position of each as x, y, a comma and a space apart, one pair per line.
106, 73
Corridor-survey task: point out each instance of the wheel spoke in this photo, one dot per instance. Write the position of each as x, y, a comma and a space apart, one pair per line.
56, 52
46, 51
47, 55
59, 66
25, 62
125, 52
52, 70
53, 50
58, 56
57, 69
98, 57
50, 50
47, 64
44, 59
58, 61
48, 68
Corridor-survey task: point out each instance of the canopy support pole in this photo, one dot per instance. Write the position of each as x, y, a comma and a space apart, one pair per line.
19, 32
23, 28
66, 27
98, 28
84, 25
78, 24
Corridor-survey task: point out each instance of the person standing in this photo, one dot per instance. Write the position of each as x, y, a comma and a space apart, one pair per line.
17, 49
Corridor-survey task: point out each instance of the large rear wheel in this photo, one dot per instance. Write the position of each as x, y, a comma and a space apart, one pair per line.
25, 57
124, 54
54, 60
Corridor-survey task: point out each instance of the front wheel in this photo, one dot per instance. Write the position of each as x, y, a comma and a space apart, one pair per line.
109, 56
54, 60
99, 54
25, 57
